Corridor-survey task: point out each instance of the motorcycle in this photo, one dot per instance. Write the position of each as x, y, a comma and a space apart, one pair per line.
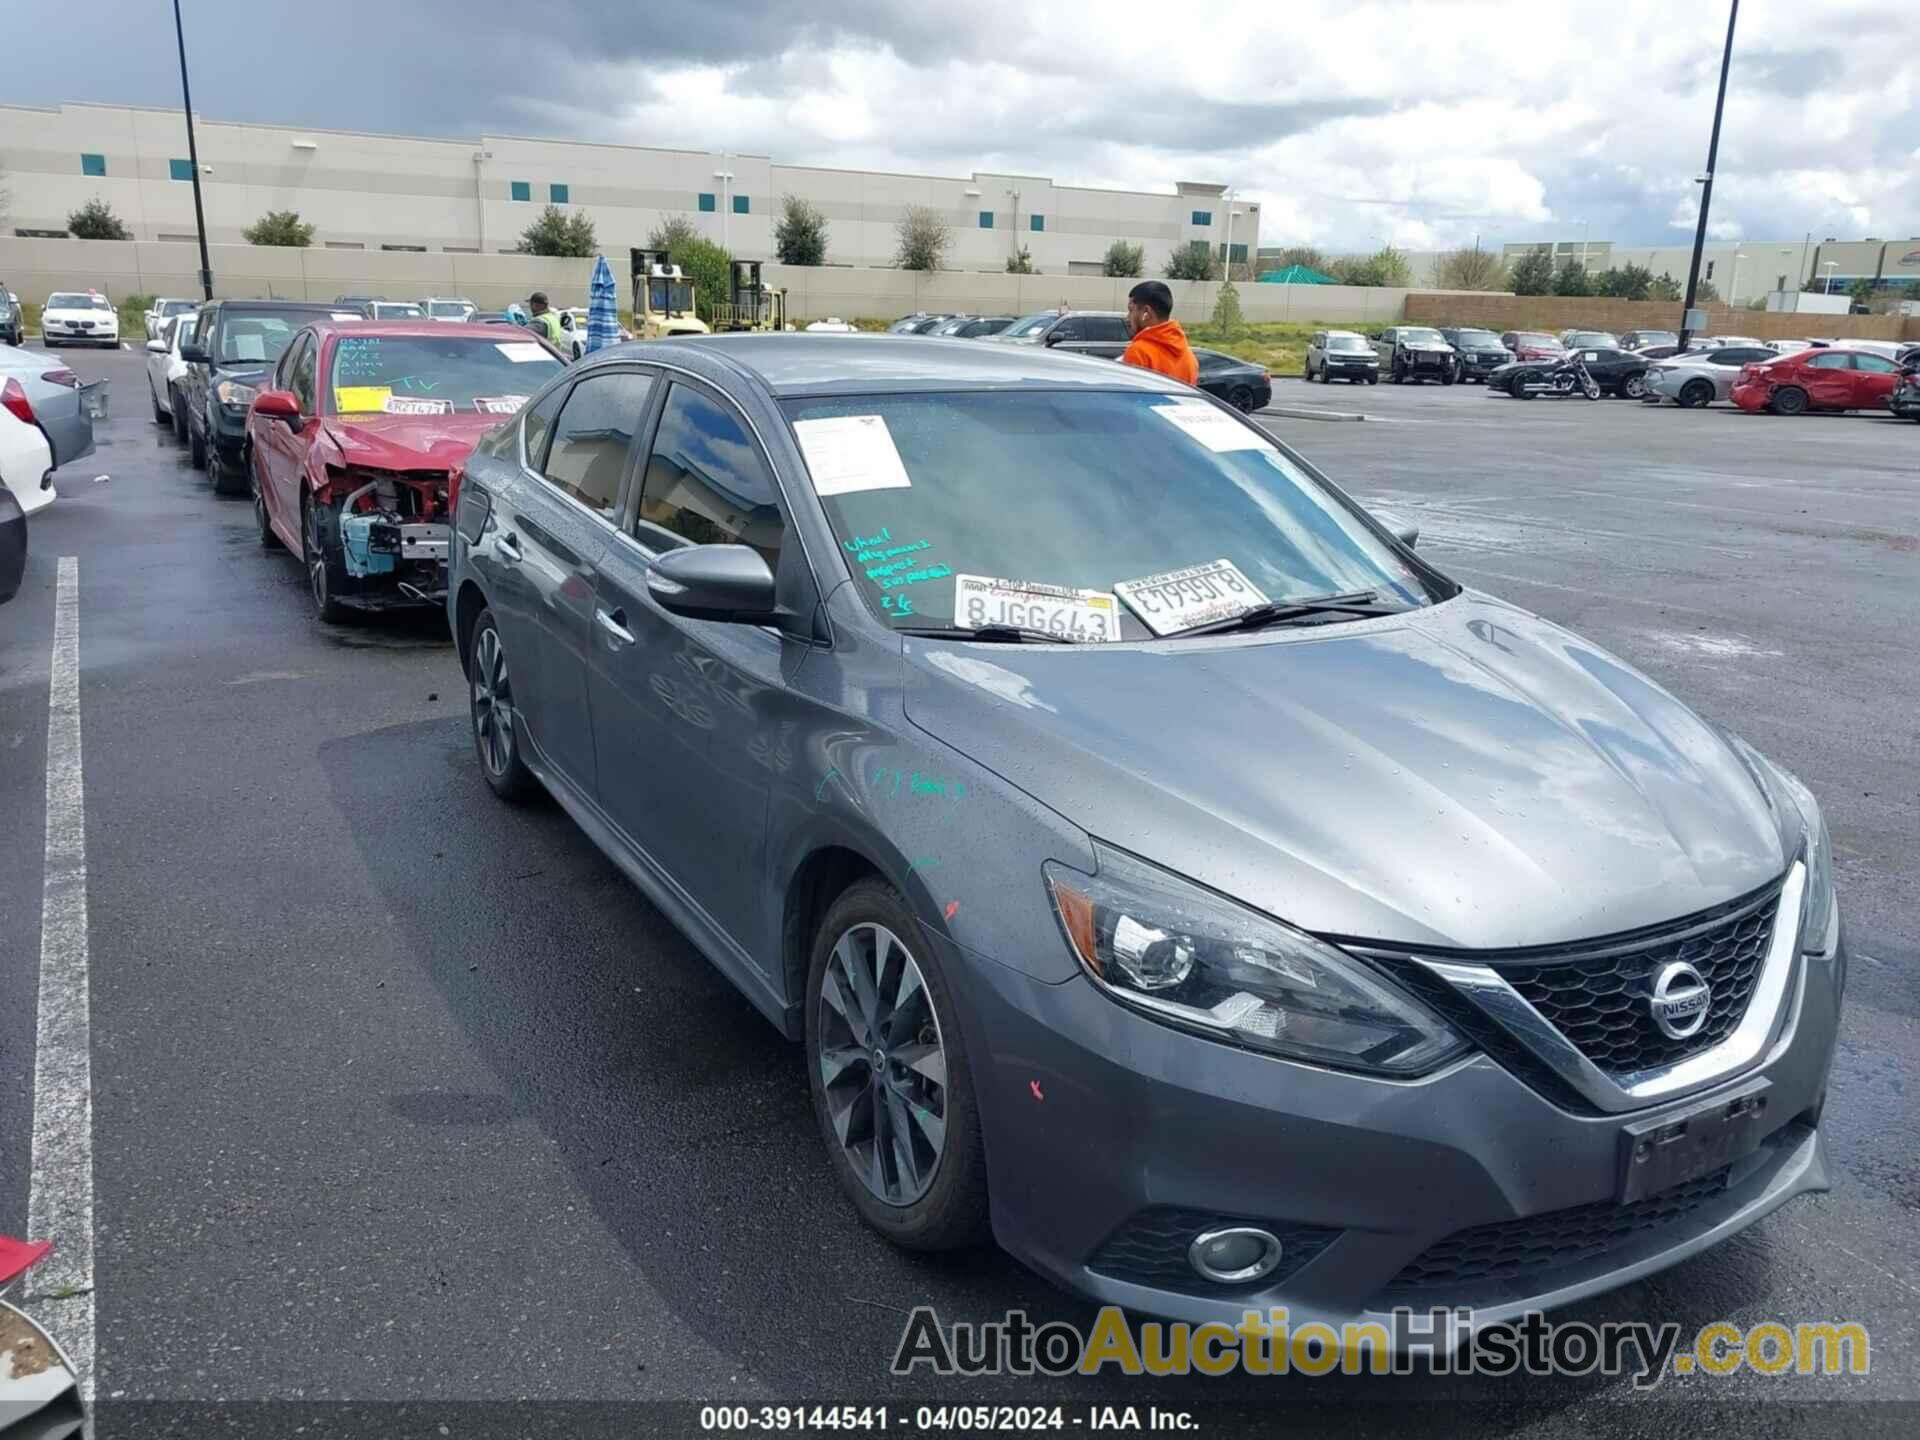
39, 1393
1559, 381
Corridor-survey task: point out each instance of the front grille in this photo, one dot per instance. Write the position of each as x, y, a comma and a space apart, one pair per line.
1600, 1002
1150, 1248
1511, 1249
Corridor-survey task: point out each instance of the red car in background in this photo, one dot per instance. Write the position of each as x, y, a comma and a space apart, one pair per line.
356, 440
1826, 379
1533, 345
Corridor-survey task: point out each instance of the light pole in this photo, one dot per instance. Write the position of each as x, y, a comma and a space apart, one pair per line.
480, 158
1706, 180
725, 177
1830, 266
1231, 212
1733, 285
193, 156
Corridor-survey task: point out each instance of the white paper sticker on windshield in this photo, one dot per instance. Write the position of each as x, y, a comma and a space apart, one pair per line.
347, 315
522, 351
850, 453
1198, 595
1212, 426
1085, 615
499, 404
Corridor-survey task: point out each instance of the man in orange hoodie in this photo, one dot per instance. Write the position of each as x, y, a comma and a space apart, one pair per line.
1158, 341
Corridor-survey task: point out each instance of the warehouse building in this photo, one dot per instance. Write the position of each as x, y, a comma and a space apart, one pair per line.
476, 195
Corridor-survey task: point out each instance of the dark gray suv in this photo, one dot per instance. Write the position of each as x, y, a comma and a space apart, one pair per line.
1164, 867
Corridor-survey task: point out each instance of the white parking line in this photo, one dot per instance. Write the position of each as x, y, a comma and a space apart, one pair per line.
60, 1192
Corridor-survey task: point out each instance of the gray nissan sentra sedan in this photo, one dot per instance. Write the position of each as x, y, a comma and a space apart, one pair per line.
1166, 869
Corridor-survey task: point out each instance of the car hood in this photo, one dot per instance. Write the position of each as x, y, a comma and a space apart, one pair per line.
1467, 776
408, 442
102, 317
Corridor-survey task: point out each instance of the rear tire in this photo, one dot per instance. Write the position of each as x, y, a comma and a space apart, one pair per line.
864, 948
1695, 394
491, 710
1241, 398
160, 417
1790, 400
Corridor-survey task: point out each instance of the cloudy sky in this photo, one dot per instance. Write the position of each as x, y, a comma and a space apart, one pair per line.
1421, 124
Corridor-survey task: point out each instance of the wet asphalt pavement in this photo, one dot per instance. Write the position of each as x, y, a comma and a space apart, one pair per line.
400, 1094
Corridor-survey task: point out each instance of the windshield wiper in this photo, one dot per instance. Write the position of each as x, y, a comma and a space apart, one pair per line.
1276, 612
1002, 634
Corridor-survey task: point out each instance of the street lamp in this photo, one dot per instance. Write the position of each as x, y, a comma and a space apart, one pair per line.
1705, 179
1231, 212
1830, 266
1013, 238
725, 177
193, 156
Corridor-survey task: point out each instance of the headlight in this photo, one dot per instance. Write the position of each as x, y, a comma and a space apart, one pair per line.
1193, 959
1817, 906
233, 393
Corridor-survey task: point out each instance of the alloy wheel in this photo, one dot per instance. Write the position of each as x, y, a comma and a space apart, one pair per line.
882, 1064
1634, 387
492, 703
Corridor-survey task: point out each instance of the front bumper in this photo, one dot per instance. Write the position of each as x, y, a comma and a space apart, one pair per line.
1335, 369
72, 334
1905, 402
1424, 362
227, 431
1108, 1134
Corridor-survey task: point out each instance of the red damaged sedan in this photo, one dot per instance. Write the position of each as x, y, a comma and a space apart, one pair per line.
1826, 379
354, 442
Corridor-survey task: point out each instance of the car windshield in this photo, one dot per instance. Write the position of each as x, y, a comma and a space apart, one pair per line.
256, 337
1533, 337
1029, 324
421, 375
1418, 336
66, 301
447, 307
178, 307
1351, 344
1477, 337
1083, 490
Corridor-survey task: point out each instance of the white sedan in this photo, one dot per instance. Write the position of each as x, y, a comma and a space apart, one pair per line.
75, 315
165, 368
26, 460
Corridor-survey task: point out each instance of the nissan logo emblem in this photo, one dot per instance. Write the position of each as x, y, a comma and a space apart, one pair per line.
1679, 1000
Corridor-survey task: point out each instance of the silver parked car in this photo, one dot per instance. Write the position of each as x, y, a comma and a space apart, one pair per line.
1226, 908
61, 406
1699, 377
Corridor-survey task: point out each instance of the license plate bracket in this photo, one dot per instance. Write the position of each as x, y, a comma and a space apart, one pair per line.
1656, 1155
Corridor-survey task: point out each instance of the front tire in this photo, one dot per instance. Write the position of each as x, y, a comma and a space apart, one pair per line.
323, 570
1449, 377
490, 707
887, 1069
1241, 398
1791, 400
227, 479
1521, 385
1634, 387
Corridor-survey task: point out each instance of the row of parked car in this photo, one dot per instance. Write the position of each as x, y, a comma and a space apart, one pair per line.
1781, 376
1103, 333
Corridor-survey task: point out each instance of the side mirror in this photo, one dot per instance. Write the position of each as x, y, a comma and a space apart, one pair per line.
1054, 337
279, 405
156, 347
714, 582
195, 354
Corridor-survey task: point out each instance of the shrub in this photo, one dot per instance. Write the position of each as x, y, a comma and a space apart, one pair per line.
923, 239
1021, 262
95, 220
671, 233
1226, 317
1532, 273
1193, 261
1124, 261
1470, 268
800, 235
555, 232
710, 268
279, 227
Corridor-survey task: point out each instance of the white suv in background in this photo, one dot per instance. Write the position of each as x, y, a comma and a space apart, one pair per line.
452, 308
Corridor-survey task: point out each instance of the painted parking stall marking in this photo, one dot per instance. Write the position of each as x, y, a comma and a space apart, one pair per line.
60, 1197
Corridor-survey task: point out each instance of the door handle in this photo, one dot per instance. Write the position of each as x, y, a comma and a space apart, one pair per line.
509, 547
615, 626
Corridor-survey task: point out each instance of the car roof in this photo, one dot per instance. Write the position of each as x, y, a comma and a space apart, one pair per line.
298, 307
801, 364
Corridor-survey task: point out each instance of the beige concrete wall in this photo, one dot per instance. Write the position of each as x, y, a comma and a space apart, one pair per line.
32, 268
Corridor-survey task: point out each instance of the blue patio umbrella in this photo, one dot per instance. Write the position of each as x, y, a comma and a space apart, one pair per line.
603, 308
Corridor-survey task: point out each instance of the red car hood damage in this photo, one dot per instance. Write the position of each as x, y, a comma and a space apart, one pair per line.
408, 442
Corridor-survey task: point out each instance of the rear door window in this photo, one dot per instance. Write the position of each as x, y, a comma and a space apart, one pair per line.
1107, 327
587, 453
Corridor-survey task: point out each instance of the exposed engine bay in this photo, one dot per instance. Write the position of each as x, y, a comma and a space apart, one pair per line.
393, 534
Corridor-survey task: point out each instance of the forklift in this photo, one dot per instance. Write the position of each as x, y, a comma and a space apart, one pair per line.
754, 306
663, 299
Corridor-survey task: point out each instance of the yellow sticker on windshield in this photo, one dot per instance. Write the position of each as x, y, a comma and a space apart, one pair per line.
362, 399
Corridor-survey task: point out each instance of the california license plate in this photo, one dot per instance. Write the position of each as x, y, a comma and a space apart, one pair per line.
1656, 1155
1086, 615
1198, 595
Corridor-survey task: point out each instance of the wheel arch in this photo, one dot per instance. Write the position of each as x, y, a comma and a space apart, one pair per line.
820, 879
467, 605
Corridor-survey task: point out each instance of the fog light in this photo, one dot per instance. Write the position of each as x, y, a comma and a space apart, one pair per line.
1235, 1255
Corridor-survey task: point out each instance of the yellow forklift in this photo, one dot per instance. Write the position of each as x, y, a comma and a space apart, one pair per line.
754, 306
663, 300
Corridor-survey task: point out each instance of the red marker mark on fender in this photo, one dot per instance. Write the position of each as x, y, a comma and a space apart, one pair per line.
1034, 1086
953, 908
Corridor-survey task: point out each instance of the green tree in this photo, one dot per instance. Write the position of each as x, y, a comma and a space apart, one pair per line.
1124, 261
95, 220
1227, 319
800, 235
1706, 292
710, 268
279, 227
1021, 262
922, 239
1385, 267
1663, 287
1470, 268
671, 233
1193, 261
1572, 278
555, 232
1624, 282
1860, 291
1532, 273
